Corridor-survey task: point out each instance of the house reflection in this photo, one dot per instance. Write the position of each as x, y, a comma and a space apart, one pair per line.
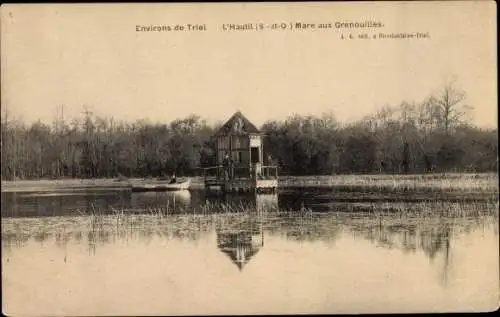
240, 245
251, 201
241, 237
266, 202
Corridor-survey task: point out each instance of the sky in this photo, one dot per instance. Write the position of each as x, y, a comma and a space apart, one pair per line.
80, 55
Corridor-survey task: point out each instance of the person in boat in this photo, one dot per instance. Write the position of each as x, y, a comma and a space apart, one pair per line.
173, 180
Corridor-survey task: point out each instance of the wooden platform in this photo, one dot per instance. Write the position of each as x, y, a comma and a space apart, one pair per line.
259, 179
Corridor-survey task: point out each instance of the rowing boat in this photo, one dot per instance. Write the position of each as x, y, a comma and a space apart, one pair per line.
145, 187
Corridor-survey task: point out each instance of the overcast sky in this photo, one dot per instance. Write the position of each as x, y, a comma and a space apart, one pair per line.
75, 55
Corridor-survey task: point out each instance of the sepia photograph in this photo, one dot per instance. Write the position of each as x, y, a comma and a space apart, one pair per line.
249, 158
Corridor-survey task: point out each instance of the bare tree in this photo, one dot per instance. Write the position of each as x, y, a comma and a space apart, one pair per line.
451, 105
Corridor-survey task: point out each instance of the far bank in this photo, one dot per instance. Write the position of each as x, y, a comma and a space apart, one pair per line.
448, 181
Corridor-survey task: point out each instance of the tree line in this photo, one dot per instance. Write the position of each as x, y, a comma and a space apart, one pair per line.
433, 135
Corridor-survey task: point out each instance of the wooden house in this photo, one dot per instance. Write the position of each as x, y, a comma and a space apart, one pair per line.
240, 159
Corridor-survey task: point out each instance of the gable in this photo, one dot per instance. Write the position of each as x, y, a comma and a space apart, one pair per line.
238, 124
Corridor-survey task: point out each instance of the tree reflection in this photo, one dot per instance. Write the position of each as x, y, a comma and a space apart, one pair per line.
242, 221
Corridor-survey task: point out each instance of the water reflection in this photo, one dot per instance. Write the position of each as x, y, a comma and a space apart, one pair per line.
108, 202
44, 204
242, 234
239, 240
175, 200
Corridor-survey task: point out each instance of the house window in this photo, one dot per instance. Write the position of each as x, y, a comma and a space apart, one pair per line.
240, 156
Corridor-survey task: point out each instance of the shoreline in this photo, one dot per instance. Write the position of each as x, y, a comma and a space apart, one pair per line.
448, 181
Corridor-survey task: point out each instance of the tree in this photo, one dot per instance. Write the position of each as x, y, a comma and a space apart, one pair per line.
410, 137
450, 102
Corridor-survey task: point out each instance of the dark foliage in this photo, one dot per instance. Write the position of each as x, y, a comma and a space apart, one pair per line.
410, 138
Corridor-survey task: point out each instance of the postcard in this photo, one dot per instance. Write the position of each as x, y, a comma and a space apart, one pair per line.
249, 158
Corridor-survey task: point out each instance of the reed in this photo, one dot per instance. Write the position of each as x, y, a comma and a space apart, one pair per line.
428, 215
422, 208
425, 182
371, 220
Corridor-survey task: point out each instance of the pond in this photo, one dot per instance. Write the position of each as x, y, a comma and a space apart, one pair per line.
110, 251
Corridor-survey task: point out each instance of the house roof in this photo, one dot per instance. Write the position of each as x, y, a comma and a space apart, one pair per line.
240, 243
238, 124
249, 251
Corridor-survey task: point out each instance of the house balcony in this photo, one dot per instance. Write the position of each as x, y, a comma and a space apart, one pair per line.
241, 179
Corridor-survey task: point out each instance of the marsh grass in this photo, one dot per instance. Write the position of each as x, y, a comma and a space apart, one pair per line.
404, 211
424, 182
100, 224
